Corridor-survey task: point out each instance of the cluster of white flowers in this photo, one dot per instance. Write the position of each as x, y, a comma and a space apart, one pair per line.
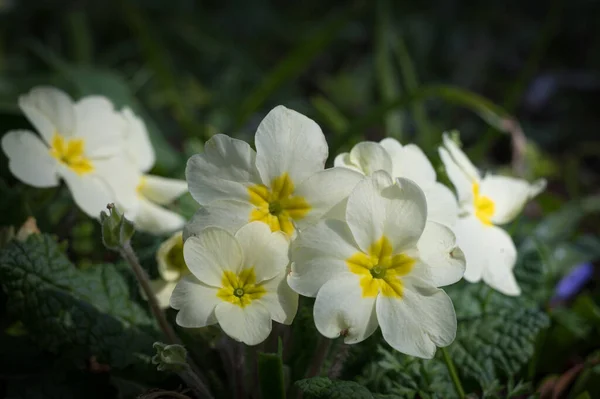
372, 239
102, 154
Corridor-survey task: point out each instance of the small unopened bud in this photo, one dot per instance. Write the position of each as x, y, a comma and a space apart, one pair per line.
116, 229
170, 357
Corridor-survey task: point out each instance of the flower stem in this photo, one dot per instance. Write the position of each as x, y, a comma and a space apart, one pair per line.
319, 357
193, 376
453, 374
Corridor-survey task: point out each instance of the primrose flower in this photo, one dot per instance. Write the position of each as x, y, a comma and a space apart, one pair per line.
152, 191
171, 267
381, 266
409, 162
283, 183
484, 203
237, 281
81, 143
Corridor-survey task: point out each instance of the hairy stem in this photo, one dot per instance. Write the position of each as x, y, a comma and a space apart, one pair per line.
319, 357
453, 374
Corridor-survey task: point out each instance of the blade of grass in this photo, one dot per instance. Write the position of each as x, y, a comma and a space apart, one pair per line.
81, 38
425, 133
384, 71
330, 114
294, 63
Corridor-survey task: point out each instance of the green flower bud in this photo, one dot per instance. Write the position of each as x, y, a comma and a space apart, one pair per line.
116, 229
170, 357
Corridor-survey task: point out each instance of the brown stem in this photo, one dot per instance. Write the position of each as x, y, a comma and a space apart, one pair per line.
319, 357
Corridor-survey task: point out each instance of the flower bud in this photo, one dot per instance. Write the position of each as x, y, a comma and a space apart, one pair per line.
116, 229
170, 357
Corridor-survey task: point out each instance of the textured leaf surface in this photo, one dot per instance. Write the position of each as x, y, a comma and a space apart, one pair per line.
324, 388
65, 310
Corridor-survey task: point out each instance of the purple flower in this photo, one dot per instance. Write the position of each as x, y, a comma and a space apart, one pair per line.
574, 281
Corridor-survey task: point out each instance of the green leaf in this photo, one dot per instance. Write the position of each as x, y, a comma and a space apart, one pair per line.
496, 334
271, 376
324, 388
80, 313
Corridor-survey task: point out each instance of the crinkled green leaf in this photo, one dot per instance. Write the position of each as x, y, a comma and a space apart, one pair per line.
69, 311
496, 333
324, 388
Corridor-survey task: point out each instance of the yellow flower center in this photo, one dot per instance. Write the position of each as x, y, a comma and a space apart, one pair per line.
379, 270
70, 152
484, 206
277, 206
140, 187
240, 289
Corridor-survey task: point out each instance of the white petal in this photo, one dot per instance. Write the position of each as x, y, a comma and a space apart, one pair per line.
409, 161
121, 176
343, 161
340, 309
265, 251
223, 171
100, 125
509, 195
461, 182
280, 300
289, 142
405, 213
50, 110
196, 303
324, 190
138, 141
210, 253
441, 204
319, 254
162, 190
442, 262
163, 290
155, 219
228, 215
89, 191
420, 321
250, 325
461, 159
366, 209
29, 159
369, 157
470, 233
168, 273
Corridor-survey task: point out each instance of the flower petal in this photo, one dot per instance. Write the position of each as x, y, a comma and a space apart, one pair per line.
155, 219
280, 300
121, 176
264, 250
29, 159
196, 303
163, 290
461, 159
405, 213
100, 125
441, 260
470, 234
162, 190
419, 322
462, 183
138, 142
369, 157
49, 110
223, 171
289, 142
319, 254
343, 161
210, 253
409, 161
324, 190
89, 192
366, 209
166, 272
509, 195
441, 204
341, 310
250, 325
228, 215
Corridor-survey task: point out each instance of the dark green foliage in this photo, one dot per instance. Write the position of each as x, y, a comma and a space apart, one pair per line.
324, 388
79, 313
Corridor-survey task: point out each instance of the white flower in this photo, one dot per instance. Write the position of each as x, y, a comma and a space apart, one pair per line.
381, 266
152, 191
484, 202
409, 162
171, 267
81, 143
282, 183
236, 281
